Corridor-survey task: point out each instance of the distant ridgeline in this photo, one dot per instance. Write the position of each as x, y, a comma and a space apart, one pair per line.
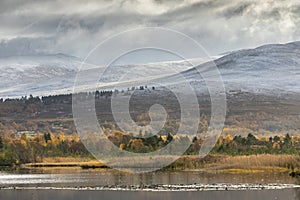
67, 98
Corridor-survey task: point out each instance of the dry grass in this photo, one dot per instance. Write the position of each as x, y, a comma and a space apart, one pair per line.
65, 160
264, 160
212, 163
239, 164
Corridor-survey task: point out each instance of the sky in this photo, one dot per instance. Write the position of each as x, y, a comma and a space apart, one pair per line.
74, 27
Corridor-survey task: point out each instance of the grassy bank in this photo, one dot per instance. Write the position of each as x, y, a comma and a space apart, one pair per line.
65, 162
240, 164
211, 163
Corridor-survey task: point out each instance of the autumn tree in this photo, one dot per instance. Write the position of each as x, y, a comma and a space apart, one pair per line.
136, 145
1, 143
251, 139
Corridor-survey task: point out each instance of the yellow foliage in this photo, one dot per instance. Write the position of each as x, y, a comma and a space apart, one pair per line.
164, 138
228, 138
24, 137
122, 146
276, 145
60, 135
23, 143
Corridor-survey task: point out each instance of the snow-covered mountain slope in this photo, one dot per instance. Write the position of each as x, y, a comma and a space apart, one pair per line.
55, 74
27, 69
272, 69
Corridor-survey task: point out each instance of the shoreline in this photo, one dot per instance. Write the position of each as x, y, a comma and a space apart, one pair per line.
161, 188
265, 163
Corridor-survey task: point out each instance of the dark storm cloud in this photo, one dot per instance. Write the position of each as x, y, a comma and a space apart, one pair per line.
74, 27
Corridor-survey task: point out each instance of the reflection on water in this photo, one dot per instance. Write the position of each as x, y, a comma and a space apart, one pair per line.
298, 191
36, 179
106, 177
286, 194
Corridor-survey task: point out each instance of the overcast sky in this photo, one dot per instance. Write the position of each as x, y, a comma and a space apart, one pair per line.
75, 26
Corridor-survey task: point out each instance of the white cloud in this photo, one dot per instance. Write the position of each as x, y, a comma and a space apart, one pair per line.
74, 27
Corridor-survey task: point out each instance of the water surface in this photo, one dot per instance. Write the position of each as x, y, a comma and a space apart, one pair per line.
110, 184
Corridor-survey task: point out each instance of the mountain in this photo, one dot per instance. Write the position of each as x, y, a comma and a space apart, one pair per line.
25, 69
55, 74
272, 69
266, 68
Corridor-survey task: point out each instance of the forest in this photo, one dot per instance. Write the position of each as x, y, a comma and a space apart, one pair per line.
35, 128
31, 149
